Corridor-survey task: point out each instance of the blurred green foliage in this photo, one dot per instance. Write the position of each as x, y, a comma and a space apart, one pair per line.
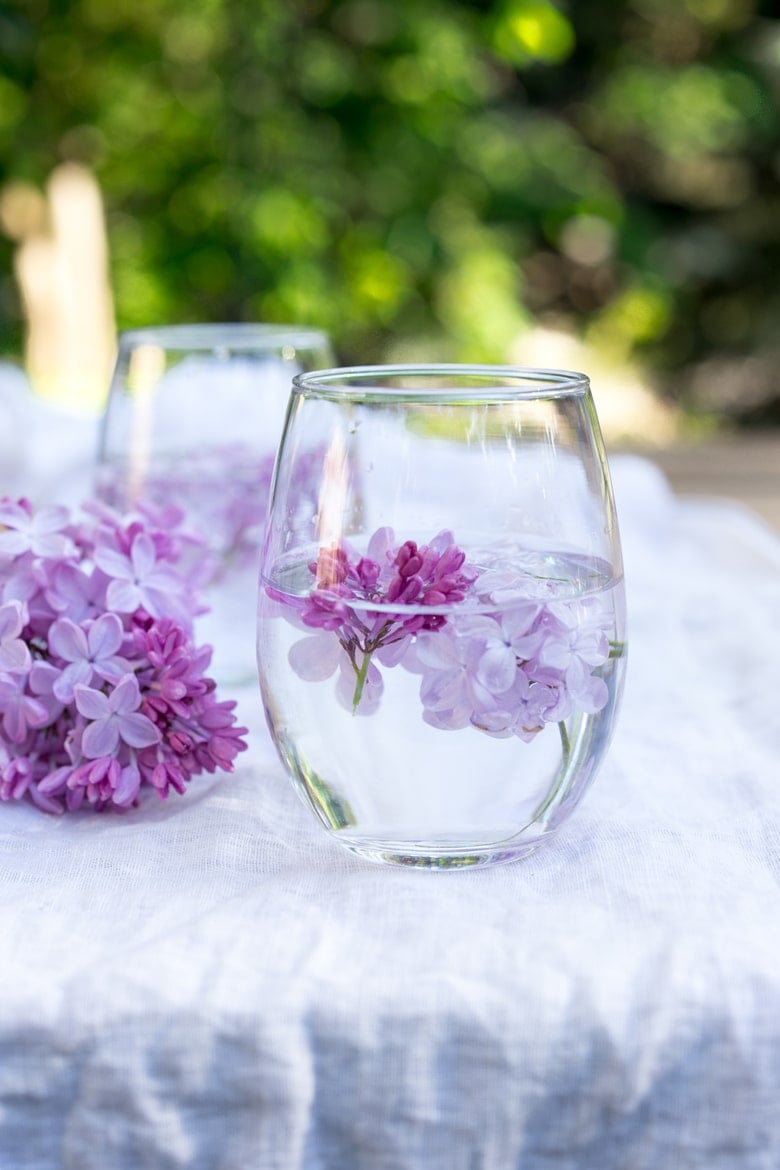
422, 178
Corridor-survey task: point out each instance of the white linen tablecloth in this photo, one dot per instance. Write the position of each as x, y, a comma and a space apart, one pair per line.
211, 983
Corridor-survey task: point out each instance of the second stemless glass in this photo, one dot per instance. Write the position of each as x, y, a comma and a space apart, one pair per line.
441, 634
193, 419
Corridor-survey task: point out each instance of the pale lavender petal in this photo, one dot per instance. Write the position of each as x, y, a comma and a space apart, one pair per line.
15, 656
448, 720
127, 788
528, 646
125, 696
52, 544
442, 541
56, 781
105, 636
497, 668
593, 647
315, 658
68, 640
14, 516
555, 653
14, 724
393, 652
163, 603
585, 688
47, 804
479, 626
380, 544
43, 677
69, 590
123, 596
562, 614
76, 674
37, 712
517, 621
11, 620
442, 688
497, 723
112, 668
114, 563
548, 704
21, 714
90, 703
12, 543
437, 650
143, 555
137, 731
595, 696
100, 738
163, 578
21, 584
50, 519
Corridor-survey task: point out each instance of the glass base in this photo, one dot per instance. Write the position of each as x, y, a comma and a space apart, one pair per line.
433, 859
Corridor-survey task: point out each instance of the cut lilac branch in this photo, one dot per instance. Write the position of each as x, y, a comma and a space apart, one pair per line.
348, 584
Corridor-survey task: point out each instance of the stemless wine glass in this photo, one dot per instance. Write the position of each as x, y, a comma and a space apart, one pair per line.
193, 418
441, 632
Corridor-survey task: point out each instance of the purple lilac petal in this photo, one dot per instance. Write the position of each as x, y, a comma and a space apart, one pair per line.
12, 619
105, 636
75, 594
137, 730
127, 789
123, 596
497, 667
68, 640
91, 704
39, 533
73, 675
100, 738
15, 656
114, 563
20, 711
315, 658
125, 696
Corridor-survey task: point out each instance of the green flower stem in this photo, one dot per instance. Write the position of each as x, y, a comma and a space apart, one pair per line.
560, 775
565, 744
362, 674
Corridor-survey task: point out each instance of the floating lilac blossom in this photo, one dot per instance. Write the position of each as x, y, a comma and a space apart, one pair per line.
346, 586
103, 693
488, 657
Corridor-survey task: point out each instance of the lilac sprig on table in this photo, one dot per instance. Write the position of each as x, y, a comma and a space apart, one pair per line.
496, 660
103, 693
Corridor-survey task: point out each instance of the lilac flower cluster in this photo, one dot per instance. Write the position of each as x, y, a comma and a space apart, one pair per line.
346, 588
506, 665
102, 691
515, 670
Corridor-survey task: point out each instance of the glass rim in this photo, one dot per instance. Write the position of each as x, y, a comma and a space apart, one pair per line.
228, 334
491, 382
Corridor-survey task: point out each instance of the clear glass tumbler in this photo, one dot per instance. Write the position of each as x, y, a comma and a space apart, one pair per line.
193, 418
441, 628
